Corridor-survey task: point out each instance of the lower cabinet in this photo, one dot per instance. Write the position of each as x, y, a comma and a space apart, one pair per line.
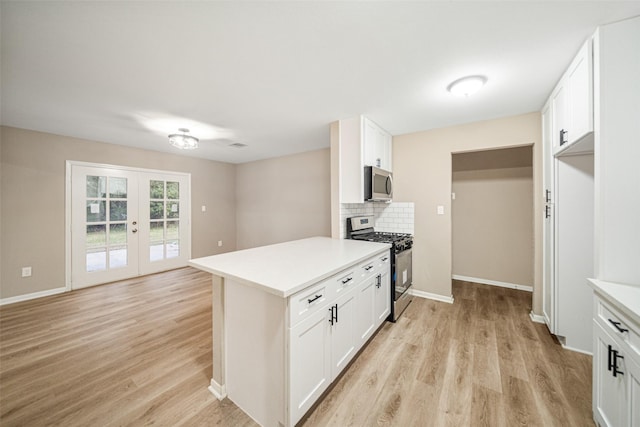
382, 299
616, 369
324, 343
310, 369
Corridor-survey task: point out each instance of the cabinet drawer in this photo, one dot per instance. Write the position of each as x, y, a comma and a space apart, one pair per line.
310, 300
618, 325
384, 261
345, 281
368, 268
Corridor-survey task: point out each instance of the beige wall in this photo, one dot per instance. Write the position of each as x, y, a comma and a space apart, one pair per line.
422, 174
283, 199
492, 220
33, 202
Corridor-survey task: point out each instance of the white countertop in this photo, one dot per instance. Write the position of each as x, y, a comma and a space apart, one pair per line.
625, 297
286, 268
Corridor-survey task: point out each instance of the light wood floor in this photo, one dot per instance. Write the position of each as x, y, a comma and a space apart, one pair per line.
138, 352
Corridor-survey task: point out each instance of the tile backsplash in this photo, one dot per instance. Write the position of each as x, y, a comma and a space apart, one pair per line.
396, 217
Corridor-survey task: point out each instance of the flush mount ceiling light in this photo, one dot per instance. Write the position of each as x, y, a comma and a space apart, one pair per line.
466, 86
182, 140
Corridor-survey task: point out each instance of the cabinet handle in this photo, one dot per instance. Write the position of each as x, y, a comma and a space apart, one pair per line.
616, 356
334, 314
379, 279
384, 259
563, 137
347, 280
609, 364
368, 267
617, 326
548, 196
313, 299
546, 211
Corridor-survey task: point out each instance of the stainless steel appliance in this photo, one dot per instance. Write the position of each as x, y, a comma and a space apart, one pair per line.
378, 184
361, 228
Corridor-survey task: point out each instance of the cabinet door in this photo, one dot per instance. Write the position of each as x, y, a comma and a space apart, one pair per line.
608, 391
549, 295
382, 297
365, 319
559, 114
633, 407
343, 333
580, 94
310, 363
370, 138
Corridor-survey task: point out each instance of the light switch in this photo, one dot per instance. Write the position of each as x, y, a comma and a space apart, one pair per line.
204, 208
440, 210
219, 243
26, 271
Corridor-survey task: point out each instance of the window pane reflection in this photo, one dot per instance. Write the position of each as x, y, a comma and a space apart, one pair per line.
96, 235
118, 187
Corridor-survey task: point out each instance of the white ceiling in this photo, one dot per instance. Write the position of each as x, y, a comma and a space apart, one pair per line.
273, 75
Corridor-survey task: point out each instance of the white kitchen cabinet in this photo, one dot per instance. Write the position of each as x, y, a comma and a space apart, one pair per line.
382, 299
549, 296
335, 331
377, 146
344, 340
356, 142
572, 105
366, 322
616, 367
310, 369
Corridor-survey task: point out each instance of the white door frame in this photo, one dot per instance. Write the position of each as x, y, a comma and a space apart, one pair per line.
68, 205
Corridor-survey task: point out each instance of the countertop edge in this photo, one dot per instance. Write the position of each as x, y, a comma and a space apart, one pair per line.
604, 289
293, 290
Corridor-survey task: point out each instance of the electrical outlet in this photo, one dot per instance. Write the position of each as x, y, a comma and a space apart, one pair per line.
219, 243
26, 271
440, 210
204, 208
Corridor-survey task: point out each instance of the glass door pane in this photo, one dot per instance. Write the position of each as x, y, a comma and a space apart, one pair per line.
104, 244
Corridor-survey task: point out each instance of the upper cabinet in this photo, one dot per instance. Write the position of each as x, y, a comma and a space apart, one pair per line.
356, 143
572, 105
376, 145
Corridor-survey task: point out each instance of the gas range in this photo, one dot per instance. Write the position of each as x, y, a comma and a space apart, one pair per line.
399, 241
361, 228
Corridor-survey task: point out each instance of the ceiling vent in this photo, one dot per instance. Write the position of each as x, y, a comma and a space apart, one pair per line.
237, 145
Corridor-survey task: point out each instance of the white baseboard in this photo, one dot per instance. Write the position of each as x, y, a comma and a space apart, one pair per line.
493, 283
429, 295
577, 350
219, 391
537, 318
34, 295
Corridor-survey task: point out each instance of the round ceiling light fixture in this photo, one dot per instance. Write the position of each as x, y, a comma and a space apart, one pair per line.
466, 86
182, 140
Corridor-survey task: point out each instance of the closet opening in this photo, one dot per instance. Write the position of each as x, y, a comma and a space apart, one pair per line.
492, 223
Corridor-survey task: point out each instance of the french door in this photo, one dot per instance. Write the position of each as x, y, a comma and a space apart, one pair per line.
126, 222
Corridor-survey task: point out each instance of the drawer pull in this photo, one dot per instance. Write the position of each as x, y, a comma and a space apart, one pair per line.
368, 267
347, 280
313, 299
384, 259
617, 326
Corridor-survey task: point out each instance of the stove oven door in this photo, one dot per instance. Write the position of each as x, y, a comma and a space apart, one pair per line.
403, 277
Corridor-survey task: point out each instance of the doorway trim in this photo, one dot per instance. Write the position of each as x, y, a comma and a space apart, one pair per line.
68, 205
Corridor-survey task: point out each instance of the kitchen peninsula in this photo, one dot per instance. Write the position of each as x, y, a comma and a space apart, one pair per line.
288, 318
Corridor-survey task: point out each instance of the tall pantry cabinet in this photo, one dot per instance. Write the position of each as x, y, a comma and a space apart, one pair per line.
567, 120
592, 216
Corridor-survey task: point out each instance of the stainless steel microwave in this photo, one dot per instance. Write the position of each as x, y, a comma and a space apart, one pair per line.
378, 184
